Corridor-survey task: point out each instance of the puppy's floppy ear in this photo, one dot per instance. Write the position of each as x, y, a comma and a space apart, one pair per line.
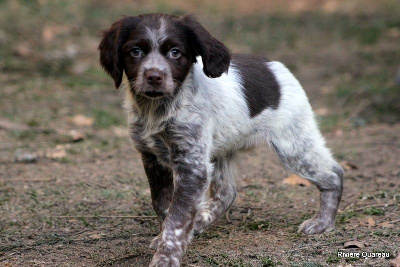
110, 47
216, 57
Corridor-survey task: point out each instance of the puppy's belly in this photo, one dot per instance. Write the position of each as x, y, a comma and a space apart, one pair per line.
229, 146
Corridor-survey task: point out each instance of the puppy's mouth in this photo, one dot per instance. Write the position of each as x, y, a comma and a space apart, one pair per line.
153, 94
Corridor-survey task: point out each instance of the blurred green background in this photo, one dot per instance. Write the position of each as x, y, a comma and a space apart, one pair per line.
345, 53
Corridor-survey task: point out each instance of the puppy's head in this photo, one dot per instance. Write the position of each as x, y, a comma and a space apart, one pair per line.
156, 52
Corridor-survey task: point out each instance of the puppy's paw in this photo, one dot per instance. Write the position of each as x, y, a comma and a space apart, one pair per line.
155, 241
164, 260
316, 226
156, 262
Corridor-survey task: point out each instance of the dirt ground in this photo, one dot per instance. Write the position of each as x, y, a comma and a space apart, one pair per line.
94, 210
73, 191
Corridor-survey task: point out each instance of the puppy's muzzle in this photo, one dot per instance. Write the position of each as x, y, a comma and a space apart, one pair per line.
155, 80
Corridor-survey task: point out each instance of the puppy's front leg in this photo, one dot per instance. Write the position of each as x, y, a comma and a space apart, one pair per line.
161, 186
190, 182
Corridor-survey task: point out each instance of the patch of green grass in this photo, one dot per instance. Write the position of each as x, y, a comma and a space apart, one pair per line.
306, 264
351, 259
65, 160
209, 234
54, 67
306, 216
267, 261
396, 232
105, 119
5, 195
25, 135
332, 259
226, 260
211, 261
366, 33
33, 195
375, 95
256, 225
73, 150
254, 186
344, 218
381, 233
105, 144
9, 247
84, 221
251, 193
113, 194
374, 211
79, 81
328, 123
267, 33
311, 264
33, 123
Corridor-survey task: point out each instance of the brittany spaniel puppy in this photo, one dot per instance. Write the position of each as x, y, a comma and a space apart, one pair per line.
192, 106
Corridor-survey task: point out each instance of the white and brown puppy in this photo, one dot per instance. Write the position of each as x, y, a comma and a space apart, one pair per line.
192, 106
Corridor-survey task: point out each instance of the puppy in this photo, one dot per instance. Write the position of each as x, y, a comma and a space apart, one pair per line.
192, 105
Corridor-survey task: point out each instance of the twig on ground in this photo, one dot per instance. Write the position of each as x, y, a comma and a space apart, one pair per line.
349, 196
246, 207
395, 221
29, 180
12, 126
248, 214
368, 206
320, 245
105, 216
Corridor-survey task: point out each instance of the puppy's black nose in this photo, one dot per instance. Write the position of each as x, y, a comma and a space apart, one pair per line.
154, 77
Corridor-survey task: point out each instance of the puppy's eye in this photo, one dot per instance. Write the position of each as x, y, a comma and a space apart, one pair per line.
136, 52
174, 53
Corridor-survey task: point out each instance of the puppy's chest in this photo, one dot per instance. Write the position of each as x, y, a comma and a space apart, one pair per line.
151, 139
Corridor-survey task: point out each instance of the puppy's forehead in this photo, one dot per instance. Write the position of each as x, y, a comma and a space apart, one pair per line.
156, 27
156, 32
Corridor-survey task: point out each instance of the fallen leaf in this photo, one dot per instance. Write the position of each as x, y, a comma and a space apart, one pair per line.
96, 236
49, 32
396, 261
371, 222
321, 111
354, 244
120, 131
348, 165
75, 135
81, 120
79, 68
393, 32
58, 152
294, 179
338, 133
386, 225
23, 50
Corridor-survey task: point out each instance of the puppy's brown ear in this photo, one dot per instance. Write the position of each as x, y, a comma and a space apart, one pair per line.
110, 47
216, 57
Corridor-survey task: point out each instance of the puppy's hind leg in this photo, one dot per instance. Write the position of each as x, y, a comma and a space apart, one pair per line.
302, 150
